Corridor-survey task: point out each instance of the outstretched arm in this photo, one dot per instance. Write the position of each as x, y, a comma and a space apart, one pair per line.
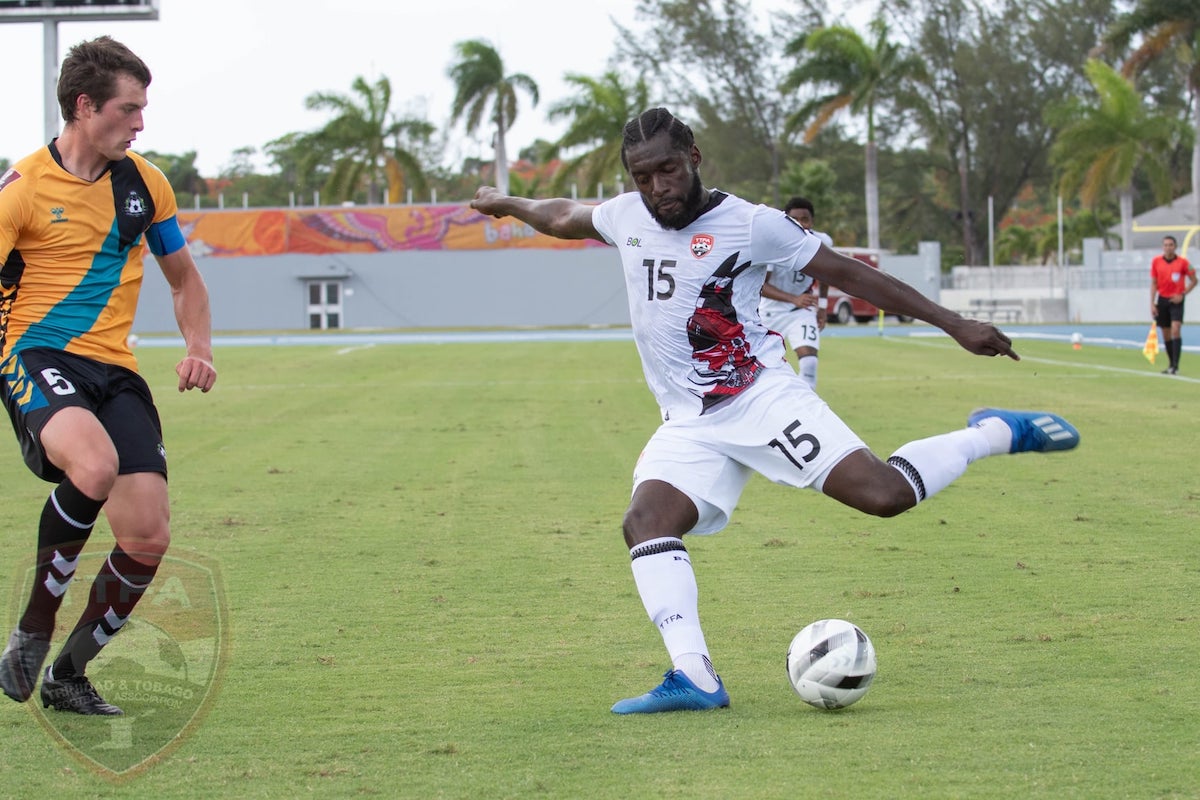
557, 217
877, 287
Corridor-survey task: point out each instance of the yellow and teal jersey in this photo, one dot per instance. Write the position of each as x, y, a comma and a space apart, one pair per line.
72, 252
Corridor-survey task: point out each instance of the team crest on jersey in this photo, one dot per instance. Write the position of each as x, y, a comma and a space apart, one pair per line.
8, 177
702, 244
135, 206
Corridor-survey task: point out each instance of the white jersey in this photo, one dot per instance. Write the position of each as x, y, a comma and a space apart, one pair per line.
694, 293
792, 281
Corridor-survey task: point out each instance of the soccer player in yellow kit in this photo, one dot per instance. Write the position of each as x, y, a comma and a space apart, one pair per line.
75, 219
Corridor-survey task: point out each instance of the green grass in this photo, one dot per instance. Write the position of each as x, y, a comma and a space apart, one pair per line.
429, 597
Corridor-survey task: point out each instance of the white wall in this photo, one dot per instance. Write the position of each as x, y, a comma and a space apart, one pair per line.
568, 288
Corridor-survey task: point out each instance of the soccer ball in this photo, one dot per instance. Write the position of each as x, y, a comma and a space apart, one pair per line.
831, 663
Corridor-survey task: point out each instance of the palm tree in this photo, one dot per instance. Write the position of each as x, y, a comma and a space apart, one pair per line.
597, 114
300, 161
479, 80
365, 140
1100, 146
1016, 244
1167, 27
859, 77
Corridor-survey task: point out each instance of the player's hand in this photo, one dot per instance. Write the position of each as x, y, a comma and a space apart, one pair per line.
982, 339
195, 373
486, 201
822, 318
806, 300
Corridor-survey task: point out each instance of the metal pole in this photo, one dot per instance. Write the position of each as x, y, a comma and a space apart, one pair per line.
50, 115
991, 232
1061, 263
991, 251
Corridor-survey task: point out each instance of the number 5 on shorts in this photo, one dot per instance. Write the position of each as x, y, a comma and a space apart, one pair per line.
57, 383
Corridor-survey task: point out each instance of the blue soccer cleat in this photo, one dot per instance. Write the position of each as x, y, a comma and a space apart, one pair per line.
676, 693
1032, 431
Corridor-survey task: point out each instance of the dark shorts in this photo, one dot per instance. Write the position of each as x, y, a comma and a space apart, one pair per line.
1168, 312
40, 381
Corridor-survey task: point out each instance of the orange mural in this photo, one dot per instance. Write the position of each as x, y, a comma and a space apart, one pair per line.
270, 232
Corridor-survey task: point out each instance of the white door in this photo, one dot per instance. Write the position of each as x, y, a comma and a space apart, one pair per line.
324, 305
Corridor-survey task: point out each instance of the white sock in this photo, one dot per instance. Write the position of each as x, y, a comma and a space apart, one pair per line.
932, 464
664, 578
807, 366
999, 435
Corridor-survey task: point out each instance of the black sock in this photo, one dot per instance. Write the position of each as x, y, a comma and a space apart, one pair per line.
118, 587
66, 523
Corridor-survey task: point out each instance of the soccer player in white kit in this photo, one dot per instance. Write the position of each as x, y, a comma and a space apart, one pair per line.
793, 304
694, 262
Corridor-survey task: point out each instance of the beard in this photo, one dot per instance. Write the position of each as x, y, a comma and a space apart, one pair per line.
689, 207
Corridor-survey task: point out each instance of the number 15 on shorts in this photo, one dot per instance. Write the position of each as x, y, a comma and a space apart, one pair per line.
798, 448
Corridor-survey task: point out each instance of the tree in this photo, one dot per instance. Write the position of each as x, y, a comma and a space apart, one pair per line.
1168, 27
367, 142
707, 57
1016, 244
1101, 145
860, 77
992, 67
479, 82
301, 162
817, 180
180, 170
596, 114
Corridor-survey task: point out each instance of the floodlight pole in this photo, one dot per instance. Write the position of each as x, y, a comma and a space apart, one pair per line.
50, 13
50, 110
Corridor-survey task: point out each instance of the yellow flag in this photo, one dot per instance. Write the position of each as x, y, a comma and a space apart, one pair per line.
1150, 348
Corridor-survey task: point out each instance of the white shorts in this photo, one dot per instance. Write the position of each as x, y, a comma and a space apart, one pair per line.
799, 326
778, 428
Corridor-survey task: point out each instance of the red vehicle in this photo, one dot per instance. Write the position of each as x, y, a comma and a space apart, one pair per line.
843, 307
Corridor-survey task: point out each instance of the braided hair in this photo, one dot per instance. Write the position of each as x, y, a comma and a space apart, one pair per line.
649, 124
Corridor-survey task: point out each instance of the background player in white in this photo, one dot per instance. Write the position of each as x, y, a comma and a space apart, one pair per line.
694, 262
793, 304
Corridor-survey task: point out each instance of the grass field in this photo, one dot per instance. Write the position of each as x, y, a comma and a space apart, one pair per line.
427, 594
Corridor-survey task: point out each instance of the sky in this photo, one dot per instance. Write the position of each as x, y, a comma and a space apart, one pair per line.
229, 74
